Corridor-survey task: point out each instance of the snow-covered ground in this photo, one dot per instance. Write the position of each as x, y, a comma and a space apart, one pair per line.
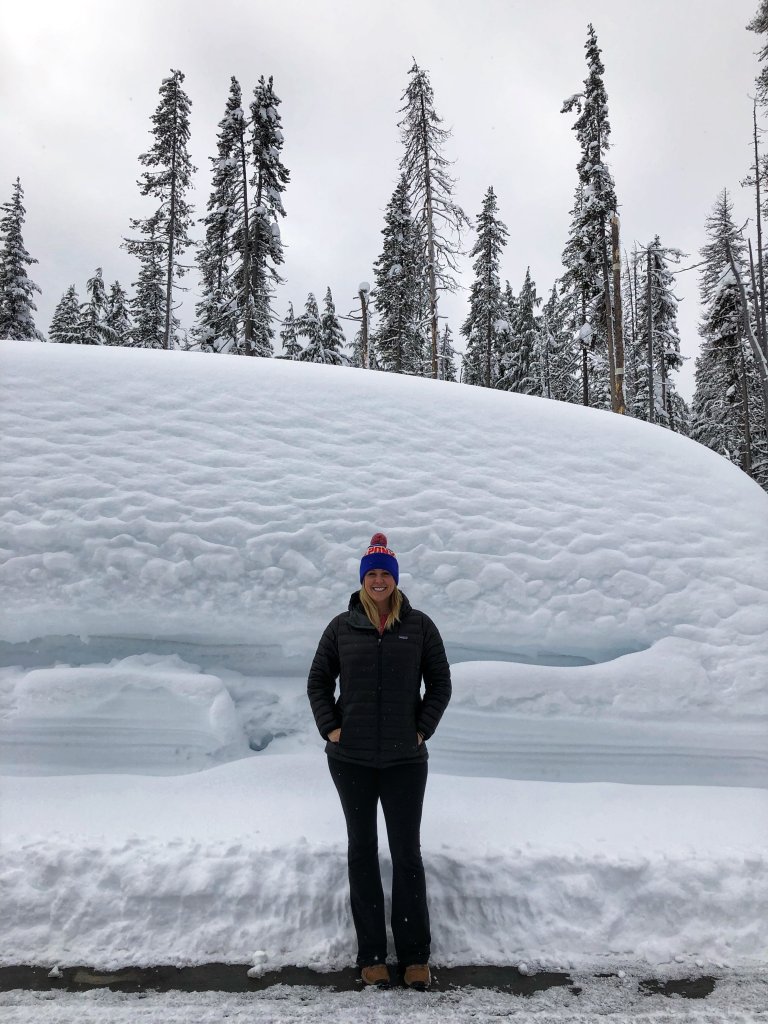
736, 1000
177, 529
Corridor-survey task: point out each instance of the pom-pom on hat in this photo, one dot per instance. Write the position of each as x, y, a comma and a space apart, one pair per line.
379, 556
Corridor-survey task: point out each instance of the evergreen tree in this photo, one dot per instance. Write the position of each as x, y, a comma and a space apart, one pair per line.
585, 257
309, 327
117, 319
670, 409
331, 333
264, 252
217, 327
289, 336
439, 219
486, 319
167, 179
521, 370
720, 415
148, 303
66, 328
759, 24
557, 357
16, 286
399, 337
94, 329
446, 356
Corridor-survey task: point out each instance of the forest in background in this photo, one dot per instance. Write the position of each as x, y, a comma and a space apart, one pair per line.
603, 334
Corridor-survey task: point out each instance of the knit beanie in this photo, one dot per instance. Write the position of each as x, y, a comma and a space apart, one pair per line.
379, 556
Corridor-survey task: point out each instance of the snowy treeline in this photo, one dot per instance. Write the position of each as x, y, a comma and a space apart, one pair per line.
606, 334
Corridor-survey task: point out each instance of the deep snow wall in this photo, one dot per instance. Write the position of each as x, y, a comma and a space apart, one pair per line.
228, 500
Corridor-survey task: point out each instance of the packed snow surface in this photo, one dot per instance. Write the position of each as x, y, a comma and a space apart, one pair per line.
176, 530
609, 1000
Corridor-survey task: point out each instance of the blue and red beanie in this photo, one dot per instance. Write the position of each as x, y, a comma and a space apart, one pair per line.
379, 556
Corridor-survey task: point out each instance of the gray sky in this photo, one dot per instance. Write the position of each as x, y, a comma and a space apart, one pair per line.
79, 81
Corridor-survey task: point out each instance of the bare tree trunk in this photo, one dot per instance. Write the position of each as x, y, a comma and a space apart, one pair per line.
618, 318
760, 358
608, 312
488, 328
430, 239
649, 314
171, 230
246, 268
761, 322
745, 411
584, 359
364, 325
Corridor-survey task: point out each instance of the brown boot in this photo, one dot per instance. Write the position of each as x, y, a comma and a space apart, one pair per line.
417, 976
376, 974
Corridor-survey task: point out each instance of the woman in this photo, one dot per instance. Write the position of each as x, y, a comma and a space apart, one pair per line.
380, 650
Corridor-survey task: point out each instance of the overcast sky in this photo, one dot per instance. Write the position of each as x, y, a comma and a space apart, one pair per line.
79, 81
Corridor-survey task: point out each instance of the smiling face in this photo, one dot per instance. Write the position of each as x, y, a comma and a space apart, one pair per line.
380, 585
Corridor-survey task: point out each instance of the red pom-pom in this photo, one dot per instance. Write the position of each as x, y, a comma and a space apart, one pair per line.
378, 540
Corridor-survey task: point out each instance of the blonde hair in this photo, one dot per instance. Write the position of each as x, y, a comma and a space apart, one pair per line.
372, 610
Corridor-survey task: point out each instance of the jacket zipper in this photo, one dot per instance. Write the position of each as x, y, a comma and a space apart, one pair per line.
378, 704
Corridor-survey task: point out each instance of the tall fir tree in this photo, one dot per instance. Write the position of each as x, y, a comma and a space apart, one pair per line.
66, 325
439, 218
558, 358
446, 355
331, 333
486, 319
147, 306
759, 24
659, 349
521, 370
720, 415
399, 334
218, 322
289, 336
585, 257
16, 287
309, 327
167, 179
264, 252
117, 318
94, 328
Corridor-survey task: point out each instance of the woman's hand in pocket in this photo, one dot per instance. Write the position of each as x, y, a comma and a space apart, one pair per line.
419, 739
334, 735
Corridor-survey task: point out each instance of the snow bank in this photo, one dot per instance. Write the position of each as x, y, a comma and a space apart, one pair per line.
143, 713
220, 499
112, 870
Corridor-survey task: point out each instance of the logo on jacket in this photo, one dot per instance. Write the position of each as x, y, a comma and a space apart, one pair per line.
401, 637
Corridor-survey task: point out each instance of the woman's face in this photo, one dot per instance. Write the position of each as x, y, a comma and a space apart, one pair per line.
380, 585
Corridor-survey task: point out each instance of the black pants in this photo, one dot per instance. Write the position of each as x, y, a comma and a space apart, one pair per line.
401, 791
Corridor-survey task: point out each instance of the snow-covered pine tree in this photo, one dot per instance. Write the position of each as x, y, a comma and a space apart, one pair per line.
217, 327
521, 371
167, 179
94, 329
486, 319
585, 257
669, 407
446, 356
66, 327
399, 335
331, 334
16, 286
439, 218
289, 336
264, 252
308, 326
557, 356
117, 318
720, 410
148, 303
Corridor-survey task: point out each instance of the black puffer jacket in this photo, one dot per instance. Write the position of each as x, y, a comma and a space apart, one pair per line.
380, 708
